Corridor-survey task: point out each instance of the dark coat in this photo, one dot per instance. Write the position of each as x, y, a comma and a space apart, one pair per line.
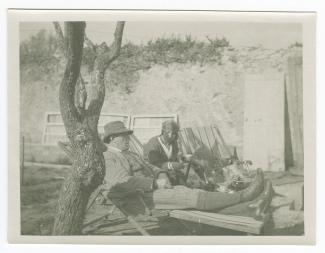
154, 153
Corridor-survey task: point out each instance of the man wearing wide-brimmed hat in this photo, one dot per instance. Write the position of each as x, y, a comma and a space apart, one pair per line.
120, 178
119, 166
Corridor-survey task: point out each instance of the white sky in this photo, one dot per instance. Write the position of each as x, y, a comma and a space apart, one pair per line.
269, 35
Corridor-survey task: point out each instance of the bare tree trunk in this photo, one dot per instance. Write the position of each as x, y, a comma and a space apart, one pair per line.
85, 148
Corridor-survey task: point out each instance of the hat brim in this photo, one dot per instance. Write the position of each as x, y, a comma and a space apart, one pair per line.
124, 132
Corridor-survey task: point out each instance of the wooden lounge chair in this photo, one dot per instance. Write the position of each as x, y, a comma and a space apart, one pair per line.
255, 213
250, 224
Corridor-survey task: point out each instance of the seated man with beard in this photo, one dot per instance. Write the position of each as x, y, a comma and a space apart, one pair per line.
126, 172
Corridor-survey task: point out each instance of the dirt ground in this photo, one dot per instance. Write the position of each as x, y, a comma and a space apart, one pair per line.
41, 188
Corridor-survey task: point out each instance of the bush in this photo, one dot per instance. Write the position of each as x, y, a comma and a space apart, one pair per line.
296, 44
39, 55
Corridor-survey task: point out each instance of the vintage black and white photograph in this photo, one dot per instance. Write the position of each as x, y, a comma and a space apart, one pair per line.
161, 128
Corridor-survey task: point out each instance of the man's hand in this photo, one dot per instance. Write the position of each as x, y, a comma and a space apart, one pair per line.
187, 157
175, 166
163, 183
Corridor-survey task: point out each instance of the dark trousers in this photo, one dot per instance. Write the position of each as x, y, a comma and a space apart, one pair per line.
129, 192
134, 183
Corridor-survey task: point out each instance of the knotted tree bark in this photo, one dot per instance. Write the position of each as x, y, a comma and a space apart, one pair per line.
84, 148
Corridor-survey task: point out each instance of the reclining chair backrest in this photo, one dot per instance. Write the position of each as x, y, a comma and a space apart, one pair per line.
135, 145
205, 143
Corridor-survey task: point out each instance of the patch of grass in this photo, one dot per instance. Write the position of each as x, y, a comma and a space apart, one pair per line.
40, 193
40, 175
39, 196
38, 219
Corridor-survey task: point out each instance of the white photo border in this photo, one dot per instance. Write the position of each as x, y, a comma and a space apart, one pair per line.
307, 19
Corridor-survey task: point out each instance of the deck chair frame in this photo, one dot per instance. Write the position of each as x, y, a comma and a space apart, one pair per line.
115, 206
244, 224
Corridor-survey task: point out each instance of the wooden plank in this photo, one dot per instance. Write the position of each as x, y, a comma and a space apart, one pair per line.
254, 227
230, 218
264, 121
237, 220
294, 92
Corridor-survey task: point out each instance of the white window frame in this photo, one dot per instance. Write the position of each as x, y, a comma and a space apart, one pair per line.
137, 116
46, 124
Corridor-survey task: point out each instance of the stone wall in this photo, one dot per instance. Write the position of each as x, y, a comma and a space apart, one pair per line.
201, 94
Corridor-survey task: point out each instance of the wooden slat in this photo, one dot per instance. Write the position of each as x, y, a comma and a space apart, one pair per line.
192, 139
239, 220
295, 108
204, 139
135, 145
185, 142
184, 146
224, 145
215, 144
206, 142
230, 218
248, 228
238, 223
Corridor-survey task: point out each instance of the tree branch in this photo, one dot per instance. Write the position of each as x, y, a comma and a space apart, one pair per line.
60, 37
210, 40
80, 90
90, 44
115, 48
81, 96
75, 39
96, 103
102, 62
